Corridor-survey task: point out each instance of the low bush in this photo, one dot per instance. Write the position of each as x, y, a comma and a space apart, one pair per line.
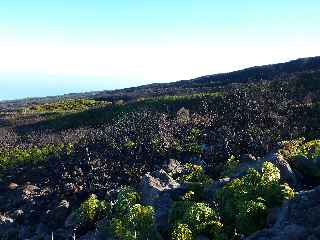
182, 232
189, 219
195, 173
126, 198
31, 156
92, 210
200, 217
132, 220
244, 202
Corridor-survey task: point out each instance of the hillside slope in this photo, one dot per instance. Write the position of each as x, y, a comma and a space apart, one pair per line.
211, 157
287, 70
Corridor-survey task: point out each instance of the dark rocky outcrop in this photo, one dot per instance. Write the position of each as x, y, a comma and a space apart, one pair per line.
307, 167
286, 172
298, 219
156, 189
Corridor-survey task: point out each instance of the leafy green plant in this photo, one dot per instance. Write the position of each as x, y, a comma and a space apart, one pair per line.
178, 210
252, 216
189, 196
126, 198
182, 232
138, 223
69, 105
141, 219
194, 218
195, 173
231, 165
130, 145
31, 156
92, 210
293, 148
199, 216
132, 220
247, 199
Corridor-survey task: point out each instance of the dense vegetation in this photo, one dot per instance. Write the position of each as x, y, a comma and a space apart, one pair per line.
84, 151
65, 106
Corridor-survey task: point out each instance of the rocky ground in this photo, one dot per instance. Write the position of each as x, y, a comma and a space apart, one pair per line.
295, 219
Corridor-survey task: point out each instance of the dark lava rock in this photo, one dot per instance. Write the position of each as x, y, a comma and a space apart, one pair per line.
298, 219
156, 189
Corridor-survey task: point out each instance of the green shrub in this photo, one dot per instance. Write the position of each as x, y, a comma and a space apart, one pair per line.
120, 230
199, 216
231, 165
130, 145
192, 145
189, 196
31, 156
297, 147
287, 192
247, 199
252, 216
141, 218
132, 220
178, 210
195, 173
182, 232
126, 198
215, 230
138, 223
92, 210
310, 149
69, 105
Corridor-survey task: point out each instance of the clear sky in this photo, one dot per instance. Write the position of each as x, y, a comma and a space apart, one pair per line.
61, 46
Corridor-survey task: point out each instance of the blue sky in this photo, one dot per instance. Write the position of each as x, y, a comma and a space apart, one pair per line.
56, 47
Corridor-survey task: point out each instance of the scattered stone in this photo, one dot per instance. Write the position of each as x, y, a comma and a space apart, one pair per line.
247, 158
69, 189
18, 215
5, 220
30, 189
173, 166
12, 186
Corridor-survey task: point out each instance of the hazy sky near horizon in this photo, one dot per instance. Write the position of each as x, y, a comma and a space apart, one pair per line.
56, 47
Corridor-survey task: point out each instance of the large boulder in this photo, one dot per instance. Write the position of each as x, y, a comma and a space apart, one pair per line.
286, 172
173, 167
154, 184
243, 167
156, 189
210, 190
307, 167
299, 218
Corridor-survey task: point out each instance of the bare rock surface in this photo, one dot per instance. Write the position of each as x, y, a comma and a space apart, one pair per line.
298, 219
